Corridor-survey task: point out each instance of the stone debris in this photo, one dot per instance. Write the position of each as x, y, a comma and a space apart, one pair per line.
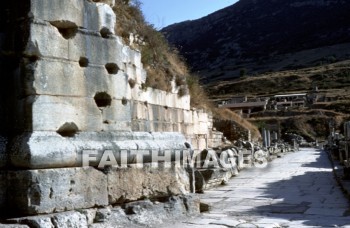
135, 214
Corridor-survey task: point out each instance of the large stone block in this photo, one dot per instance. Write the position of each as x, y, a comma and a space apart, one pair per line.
182, 102
43, 150
89, 15
50, 113
202, 117
179, 118
201, 128
117, 116
51, 150
156, 112
187, 116
140, 111
132, 184
167, 126
50, 76
116, 85
13, 226
57, 220
69, 219
55, 190
46, 41
188, 129
159, 97
99, 51
169, 115
141, 125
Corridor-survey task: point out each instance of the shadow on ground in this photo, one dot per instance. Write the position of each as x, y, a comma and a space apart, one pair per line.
312, 197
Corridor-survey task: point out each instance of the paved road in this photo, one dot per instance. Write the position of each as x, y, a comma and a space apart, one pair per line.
297, 190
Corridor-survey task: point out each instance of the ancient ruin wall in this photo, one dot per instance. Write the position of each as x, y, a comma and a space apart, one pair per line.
73, 85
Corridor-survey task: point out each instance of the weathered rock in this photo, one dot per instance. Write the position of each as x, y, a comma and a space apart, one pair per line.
208, 178
135, 214
57, 220
111, 217
90, 215
35, 221
51, 150
103, 215
13, 226
135, 183
147, 213
42, 150
89, 15
49, 113
49, 77
46, 41
53, 190
192, 204
69, 219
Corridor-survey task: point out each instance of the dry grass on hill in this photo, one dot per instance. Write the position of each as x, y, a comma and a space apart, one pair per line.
226, 114
329, 78
161, 62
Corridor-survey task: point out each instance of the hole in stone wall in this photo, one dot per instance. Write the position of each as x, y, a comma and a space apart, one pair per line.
105, 33
203, 207
187, 145
112, 68
83, 62
68, 130
103, 99
129, 211
132, 83
51, 193
33, 58
124, 101
67, 29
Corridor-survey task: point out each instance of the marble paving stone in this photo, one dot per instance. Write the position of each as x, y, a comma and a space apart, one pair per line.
298, 190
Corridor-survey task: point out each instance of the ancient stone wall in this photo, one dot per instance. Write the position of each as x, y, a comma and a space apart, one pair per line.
73, 85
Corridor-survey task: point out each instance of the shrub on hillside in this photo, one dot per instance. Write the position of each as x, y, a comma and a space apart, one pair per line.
161, 62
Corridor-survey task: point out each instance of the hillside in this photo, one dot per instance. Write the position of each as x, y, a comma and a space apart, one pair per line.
258, 36
261, 48
332, 79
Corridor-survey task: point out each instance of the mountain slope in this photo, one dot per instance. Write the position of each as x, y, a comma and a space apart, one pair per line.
256, 36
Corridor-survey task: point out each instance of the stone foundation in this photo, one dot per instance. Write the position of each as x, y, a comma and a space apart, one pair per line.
136, 214
44, 191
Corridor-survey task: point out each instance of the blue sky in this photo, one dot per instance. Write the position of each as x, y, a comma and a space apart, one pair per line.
161, 13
